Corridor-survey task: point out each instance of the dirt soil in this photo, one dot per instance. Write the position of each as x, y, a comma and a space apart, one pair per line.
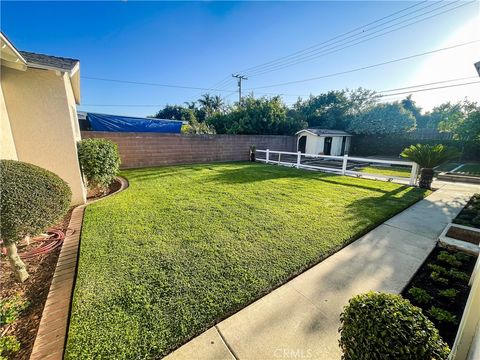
34, 290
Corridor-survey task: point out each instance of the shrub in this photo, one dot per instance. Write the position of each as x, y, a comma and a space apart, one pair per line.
442, 315
449, 259
460, 256
387, 326
448, 293
438, 278
438, 268
32, 199
420, 295
459, 275
100, 162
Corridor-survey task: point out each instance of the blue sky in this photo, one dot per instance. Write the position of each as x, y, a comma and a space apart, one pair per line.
200, 43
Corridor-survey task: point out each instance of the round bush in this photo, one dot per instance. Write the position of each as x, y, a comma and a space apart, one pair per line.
99, 160
387, 326
32, 199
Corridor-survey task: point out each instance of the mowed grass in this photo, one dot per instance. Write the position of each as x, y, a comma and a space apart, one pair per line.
387, 171
186, 246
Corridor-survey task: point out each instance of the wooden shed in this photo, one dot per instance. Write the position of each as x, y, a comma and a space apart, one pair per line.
323, 141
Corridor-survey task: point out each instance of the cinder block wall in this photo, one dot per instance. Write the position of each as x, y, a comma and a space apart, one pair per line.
150, 149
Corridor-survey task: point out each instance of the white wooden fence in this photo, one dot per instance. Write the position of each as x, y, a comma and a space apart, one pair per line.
340, 170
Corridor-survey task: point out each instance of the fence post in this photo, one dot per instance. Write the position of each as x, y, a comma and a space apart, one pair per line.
267, 156
299, 155
413, 174
344, 164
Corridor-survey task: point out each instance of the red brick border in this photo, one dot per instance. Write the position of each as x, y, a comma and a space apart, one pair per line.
52, 332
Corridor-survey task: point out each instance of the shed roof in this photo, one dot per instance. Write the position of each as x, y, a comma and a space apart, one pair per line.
325, 132
49, 61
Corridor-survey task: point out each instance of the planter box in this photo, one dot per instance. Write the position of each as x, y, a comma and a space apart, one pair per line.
462, 237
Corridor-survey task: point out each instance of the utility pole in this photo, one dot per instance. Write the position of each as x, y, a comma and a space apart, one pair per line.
239, 81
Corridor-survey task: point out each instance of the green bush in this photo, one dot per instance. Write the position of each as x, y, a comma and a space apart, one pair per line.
100, 162
448, 293
438, 278
459, 275
438, 268
420, 295
449, 259
387, 326
32, 199
442, 315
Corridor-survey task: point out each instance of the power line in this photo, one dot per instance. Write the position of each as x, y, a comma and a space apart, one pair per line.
380, 92
151, 84
432, 83
323, 52
365, 67
329, 40
433, 88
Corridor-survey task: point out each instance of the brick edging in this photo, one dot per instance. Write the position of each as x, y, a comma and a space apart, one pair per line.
52, 331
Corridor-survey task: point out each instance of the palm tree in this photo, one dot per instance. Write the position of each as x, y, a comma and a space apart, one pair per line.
211, 103
191, 104
428, 157
217, 103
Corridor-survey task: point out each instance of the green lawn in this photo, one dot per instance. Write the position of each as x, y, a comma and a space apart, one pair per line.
470, 169
186, 246
388, 171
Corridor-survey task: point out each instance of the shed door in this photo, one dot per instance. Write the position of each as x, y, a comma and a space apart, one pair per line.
344, 143
327, 148
302, 144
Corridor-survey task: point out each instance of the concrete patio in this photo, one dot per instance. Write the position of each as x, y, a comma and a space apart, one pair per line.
301, 318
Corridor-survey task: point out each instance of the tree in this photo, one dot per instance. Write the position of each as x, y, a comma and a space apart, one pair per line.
383, 119
461, 119
329, 110
423, 121
211, 104
175, 112
257, 116
196, 127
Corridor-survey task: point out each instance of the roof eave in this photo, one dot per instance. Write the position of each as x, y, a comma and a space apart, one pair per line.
10, 56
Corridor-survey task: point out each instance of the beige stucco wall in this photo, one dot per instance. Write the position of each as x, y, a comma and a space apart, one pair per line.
7, 146
42, 115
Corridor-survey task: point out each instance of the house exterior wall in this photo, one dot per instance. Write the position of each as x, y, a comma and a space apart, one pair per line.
153, 149
7, 145
41, 111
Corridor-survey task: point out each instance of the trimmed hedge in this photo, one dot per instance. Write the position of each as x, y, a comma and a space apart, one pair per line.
386, 326
32, 199
369, 145
99, 160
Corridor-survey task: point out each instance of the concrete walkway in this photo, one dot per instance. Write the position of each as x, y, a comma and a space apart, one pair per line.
300, 319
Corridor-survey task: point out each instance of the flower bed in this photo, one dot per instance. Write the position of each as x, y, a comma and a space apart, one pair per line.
441, 289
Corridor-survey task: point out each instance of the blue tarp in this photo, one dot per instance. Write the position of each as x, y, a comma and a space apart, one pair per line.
101, 122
